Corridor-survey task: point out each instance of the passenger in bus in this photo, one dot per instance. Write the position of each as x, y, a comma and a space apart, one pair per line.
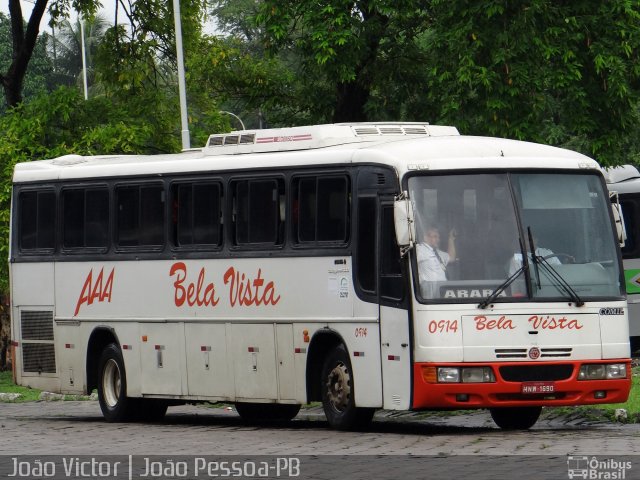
433, 262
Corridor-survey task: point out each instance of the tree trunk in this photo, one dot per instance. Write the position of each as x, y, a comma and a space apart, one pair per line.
23, 41
351, 100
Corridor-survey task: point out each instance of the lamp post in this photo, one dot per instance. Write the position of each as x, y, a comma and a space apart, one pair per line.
184, 119
234, 116
84, 57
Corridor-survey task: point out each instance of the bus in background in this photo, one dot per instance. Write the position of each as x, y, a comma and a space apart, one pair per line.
624, 184
396, 266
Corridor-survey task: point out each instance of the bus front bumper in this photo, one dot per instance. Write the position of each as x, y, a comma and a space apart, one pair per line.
511, 384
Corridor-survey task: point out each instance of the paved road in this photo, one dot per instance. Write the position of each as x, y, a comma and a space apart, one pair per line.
393, 441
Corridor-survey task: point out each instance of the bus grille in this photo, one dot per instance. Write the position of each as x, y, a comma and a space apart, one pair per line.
38, 358
38, 352
535, 373
522, 352
36, 325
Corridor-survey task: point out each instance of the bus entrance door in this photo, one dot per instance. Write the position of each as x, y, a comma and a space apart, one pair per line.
394, 316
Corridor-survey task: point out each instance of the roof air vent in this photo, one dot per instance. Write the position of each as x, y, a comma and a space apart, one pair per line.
415, 131
366, 131
247, 138
391, 130
231, 139
216, 141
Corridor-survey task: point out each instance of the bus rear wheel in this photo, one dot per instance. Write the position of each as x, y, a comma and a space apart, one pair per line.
516, 418
338, 395
266, 412
112, 386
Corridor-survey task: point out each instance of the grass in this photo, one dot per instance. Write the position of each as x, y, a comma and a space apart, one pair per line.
7, 386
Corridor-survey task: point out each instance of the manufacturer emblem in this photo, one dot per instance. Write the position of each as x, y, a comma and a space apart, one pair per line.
534, 353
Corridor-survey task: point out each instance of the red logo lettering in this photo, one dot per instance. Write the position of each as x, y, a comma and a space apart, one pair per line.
547, 322
95, 292
485, 323
195, 293
245, 291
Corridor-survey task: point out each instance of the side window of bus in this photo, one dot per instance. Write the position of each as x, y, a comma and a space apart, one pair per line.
36, 222
320, 209
258, 212
197, 214
391, 278
85, 218
366, 248
140, 216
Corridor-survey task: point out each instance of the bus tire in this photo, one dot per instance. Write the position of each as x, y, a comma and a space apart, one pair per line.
112, 386
516, 418
338, 395
266, 412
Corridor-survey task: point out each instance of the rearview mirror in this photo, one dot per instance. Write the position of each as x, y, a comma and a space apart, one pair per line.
404, 223
616, 208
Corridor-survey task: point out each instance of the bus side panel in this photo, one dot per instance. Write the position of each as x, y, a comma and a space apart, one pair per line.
162, 358
71, 351
209, 372
252, 352
362, 338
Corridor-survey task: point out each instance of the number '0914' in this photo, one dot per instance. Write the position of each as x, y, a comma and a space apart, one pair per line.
443, 326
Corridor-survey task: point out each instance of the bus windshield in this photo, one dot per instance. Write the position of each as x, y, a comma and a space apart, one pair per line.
549, 234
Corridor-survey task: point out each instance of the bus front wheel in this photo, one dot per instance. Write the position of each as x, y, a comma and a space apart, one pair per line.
516, 418
112, 386
338, 395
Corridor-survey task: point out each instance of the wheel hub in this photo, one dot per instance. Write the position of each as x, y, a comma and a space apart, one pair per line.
338, 387
111, 383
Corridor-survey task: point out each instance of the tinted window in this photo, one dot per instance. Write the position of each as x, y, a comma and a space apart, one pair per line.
37, 216
258, 211
366, 252
197, 214
140, 215
85, 218
321, 209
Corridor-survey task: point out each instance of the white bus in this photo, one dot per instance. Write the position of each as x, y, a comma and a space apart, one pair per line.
624, 185
273, 268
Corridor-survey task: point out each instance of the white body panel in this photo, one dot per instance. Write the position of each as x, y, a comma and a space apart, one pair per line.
203, 335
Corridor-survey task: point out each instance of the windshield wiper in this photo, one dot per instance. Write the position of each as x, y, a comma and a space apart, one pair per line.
551, 272
534, 257
501, 288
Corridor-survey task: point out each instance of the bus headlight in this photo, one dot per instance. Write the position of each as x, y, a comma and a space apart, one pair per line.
465, 375
477, 375
617, 370
448, 375
601, 371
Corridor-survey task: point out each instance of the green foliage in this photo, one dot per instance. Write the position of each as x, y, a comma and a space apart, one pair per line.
561, 72
39, 76
352, 47
63, 123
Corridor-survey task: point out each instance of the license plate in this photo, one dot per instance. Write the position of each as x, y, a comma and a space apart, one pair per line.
538, 387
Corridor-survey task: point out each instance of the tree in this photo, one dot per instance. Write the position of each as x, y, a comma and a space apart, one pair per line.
68, 48
350, 43
24, 39
38, 77
566, 73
